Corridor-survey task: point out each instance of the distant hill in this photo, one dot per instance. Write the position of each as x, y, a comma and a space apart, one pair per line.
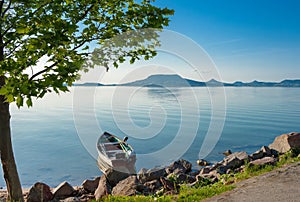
160, 80
88, 84
174, 80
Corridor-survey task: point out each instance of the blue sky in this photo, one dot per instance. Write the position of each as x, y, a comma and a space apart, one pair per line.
247, 40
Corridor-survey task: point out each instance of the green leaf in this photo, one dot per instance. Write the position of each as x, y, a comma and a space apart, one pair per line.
132, 60
29, 102
22, 30
10, 98
19, 101
3, 91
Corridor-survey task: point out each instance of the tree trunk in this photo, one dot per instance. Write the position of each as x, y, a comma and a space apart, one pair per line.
6, 151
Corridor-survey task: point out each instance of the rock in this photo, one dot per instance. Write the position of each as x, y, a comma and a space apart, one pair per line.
80, 191
186, 164
263, 152
171, 192
205, 170
227, 153
285, 142
274, 153
202, 162
228, 171
115, 176
160, 192
71, 199
232, 161
222, 169
195, 173
181, 164
87, 197
169, 185
212, 174
63, 190
39, 192
177, 171
216, 165
201, 181
184, 178
264, 161
153, 186
145, 175
215, 180
103, 188
243, 156
127, 187
91, 185
239, 170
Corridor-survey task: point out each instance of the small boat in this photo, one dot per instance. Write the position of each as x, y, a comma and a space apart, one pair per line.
115, 153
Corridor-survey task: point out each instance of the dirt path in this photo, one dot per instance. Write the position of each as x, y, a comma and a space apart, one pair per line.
282, 184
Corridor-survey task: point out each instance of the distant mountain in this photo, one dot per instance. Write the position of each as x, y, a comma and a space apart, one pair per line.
88, 84
174, 80
161, 80
289, 83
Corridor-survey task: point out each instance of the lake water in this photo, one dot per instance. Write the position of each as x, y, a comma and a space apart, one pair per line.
55, 140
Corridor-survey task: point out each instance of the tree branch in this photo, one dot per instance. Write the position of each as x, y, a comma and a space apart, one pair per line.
85, 13
1, 6
13, 50
39, 8
3, 34
43, 71
7, 8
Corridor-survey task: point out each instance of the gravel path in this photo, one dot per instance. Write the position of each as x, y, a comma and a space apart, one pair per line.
282, 184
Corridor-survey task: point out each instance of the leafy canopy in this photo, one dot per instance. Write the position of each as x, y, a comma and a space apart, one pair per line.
45, 43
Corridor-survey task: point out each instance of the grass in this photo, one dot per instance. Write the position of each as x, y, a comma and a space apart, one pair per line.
204, 191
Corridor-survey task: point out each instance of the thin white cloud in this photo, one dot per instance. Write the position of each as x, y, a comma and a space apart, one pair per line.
229, 41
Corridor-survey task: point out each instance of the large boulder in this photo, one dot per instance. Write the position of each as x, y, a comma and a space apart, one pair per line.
39, 192
185, 178
128, 187
103, 188
231, 162
115, 176
243, 156
264, 161
91, 185
285, 142
263, 152
63, 190
212, 174
181, 165
235, 160
169, 185
145, 175
153, 186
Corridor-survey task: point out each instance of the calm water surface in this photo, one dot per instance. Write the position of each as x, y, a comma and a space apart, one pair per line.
48, 148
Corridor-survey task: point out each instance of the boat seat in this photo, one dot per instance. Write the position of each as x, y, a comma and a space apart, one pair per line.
109, 147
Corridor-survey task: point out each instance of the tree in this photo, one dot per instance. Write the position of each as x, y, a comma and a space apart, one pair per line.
59, 32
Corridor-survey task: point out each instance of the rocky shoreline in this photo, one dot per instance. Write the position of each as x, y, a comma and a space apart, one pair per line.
161, 181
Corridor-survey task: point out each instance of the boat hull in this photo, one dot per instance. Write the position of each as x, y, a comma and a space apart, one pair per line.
115, 154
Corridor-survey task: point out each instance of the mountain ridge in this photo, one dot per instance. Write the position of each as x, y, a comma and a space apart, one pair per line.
174, 80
